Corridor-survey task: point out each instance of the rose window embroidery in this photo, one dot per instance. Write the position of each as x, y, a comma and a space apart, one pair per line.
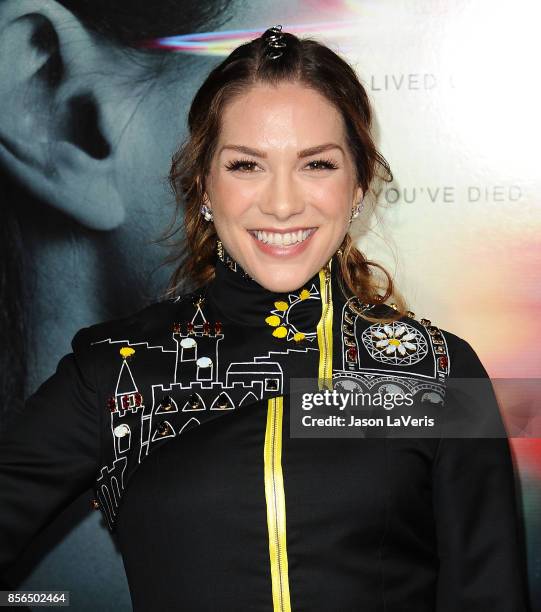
395, 343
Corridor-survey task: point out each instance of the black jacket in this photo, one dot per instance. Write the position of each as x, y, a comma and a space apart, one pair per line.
179, 416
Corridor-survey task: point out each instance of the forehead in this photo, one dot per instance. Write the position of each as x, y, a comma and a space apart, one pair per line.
281, 114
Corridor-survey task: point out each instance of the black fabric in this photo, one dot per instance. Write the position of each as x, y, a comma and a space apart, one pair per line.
397, 525
480, 543
241, 299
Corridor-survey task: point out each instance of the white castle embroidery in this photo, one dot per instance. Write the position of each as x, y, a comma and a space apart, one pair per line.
201, 387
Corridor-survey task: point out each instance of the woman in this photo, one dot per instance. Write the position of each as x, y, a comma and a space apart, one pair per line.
179, 414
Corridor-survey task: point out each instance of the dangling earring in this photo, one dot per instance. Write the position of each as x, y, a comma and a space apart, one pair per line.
205, 210
220, 249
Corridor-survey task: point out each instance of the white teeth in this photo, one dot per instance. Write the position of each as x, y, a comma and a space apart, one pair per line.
282, 239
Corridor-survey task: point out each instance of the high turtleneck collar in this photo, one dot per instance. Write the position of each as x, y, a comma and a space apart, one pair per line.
241, 299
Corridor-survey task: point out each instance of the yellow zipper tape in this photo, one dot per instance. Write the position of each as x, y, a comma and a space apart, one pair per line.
324, 330
276, 507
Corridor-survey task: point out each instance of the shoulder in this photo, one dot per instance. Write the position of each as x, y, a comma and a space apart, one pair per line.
463, 360
146, 322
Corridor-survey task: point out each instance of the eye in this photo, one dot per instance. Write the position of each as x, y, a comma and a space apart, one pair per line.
247, 165
325, 164
237, 164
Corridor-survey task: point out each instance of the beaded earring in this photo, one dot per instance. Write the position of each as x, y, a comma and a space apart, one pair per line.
355, 211
206, 211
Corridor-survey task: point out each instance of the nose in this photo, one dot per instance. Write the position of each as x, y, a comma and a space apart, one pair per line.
282, 199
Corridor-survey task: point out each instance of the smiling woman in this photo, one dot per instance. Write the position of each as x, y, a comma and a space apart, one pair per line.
280, 153
179, 414
261, 205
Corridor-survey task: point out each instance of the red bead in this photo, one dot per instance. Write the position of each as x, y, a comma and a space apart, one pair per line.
206, 328
190, 327
138, 399
176, 328
218, 327
125, 402
111, 404
443, 361
352, 353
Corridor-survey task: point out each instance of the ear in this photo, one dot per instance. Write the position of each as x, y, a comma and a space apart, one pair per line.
358, 195
56, 137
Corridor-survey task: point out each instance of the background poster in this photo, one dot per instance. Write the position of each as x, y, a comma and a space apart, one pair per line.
93, 99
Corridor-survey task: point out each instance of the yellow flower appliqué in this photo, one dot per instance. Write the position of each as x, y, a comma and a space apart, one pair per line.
279, 319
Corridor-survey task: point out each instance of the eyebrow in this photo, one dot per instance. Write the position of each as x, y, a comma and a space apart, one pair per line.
304, 153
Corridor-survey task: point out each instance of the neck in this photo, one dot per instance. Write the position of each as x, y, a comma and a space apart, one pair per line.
293, 314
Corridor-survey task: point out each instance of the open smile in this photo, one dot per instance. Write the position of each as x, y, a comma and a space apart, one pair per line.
282, 238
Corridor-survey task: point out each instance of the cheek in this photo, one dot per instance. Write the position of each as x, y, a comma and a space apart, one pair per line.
332, 199
232, 194
335, 185
229, 211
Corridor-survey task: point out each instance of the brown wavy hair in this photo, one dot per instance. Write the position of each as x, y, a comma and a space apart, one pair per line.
311, 64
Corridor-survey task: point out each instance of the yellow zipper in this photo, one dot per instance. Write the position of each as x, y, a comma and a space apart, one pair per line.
276, 507
324, 329
274, 479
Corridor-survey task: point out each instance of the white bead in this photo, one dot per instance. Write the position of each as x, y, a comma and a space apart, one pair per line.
121, 430
204, 362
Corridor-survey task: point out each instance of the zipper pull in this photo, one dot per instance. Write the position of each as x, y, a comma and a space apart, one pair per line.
325, 330
328, 276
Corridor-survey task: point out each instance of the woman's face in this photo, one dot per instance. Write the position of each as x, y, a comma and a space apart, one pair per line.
282, 172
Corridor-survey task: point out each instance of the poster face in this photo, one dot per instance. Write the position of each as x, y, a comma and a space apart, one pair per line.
94, 100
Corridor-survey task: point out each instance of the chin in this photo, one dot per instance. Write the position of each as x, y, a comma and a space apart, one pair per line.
281, 282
